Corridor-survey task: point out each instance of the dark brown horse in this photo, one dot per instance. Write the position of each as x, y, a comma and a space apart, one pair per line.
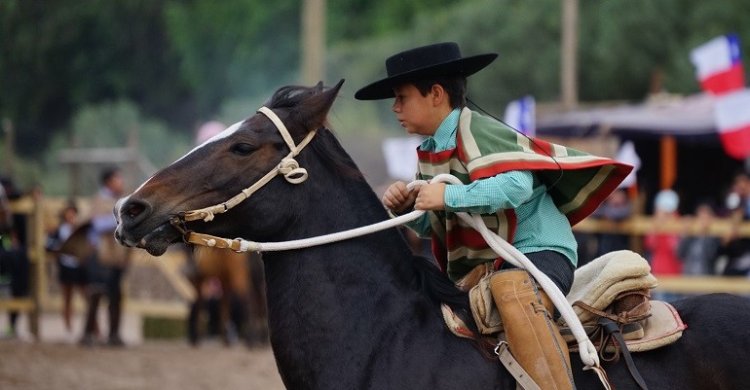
365, 313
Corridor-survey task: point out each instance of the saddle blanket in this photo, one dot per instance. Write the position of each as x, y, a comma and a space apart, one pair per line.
596, 285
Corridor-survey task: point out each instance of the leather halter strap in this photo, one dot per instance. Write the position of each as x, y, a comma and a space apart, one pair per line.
288, 167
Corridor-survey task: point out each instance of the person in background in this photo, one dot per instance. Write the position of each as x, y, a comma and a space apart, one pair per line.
697, 248
70, 272
737, 248
107, 265
616, 207
662, 245
14, 261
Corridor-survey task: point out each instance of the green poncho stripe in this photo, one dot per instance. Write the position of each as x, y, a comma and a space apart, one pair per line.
578, 182
485, 148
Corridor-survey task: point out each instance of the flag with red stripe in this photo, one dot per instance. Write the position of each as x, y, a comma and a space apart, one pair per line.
718, 64
720, 72
732, 114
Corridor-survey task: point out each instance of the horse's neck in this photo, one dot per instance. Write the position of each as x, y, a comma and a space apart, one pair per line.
378, 260
351, 314
336, 290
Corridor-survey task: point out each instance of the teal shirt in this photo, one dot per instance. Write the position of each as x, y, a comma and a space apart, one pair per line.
541, 225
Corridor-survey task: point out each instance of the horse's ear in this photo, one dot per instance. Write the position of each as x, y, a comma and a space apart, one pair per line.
317, 105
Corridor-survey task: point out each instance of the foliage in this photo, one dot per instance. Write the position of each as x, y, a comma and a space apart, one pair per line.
57, 56
625, 45
234, 48
525, 34
346, 22
183, 62
110, 125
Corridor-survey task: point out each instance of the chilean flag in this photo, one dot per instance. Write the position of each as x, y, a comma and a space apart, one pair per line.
719, 64
719, 69
732, 114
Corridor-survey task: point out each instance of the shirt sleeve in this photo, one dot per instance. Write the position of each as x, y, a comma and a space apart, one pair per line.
505, 191
420, 226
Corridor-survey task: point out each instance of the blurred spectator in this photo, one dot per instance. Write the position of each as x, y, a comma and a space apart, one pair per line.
662, 246
107, 265
14, 261
616, 207
737, 249
6, 214
587, 246
698, 249
738, 200
70, 272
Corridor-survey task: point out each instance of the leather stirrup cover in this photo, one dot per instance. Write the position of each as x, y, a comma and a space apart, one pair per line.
532, 335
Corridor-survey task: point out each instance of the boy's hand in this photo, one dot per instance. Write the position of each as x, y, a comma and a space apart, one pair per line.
397, 198
431, 197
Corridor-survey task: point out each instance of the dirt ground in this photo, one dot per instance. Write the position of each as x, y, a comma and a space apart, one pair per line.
58, 362
163, 365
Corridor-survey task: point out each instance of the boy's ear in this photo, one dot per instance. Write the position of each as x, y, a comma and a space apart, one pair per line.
438, 94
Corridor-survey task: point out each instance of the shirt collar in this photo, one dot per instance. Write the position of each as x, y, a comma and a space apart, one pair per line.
445, 135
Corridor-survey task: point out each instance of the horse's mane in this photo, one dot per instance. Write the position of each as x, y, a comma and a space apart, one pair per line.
427, 277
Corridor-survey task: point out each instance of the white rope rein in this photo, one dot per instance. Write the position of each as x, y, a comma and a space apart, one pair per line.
504, 249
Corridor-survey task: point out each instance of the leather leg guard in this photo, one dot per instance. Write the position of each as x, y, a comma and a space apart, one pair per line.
532, 335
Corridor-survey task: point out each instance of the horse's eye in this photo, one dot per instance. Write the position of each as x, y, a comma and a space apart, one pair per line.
242, 149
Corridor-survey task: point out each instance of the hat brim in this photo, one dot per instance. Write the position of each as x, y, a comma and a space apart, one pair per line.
383, 89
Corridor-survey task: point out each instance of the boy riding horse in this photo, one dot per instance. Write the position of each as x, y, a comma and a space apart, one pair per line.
528, 191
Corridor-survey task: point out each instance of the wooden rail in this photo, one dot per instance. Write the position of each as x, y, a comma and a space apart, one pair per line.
641, 225
39, 212
35, 235
704, 284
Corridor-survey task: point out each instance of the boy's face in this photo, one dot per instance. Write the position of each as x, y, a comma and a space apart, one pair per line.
417, 114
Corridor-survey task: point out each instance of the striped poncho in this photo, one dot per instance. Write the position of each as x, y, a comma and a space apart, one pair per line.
576, 181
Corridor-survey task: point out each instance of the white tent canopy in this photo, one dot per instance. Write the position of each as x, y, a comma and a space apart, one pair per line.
691, 116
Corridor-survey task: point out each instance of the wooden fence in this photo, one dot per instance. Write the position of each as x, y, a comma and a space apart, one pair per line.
40, 216
169, 266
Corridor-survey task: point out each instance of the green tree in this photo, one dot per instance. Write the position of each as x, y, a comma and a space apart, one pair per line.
235, 47
354, 20
58, 55
110, 125
181, 60
625, 45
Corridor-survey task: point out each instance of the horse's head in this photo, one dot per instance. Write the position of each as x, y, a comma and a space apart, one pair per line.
221, 168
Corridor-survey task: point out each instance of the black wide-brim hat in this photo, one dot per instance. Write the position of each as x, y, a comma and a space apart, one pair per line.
432, 61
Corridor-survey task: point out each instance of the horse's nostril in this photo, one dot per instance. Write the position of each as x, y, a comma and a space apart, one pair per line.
133, 208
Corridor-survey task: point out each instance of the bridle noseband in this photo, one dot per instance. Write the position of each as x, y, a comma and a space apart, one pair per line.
288, 166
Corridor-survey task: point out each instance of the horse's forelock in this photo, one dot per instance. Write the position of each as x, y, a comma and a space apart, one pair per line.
290, 96
304, 106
